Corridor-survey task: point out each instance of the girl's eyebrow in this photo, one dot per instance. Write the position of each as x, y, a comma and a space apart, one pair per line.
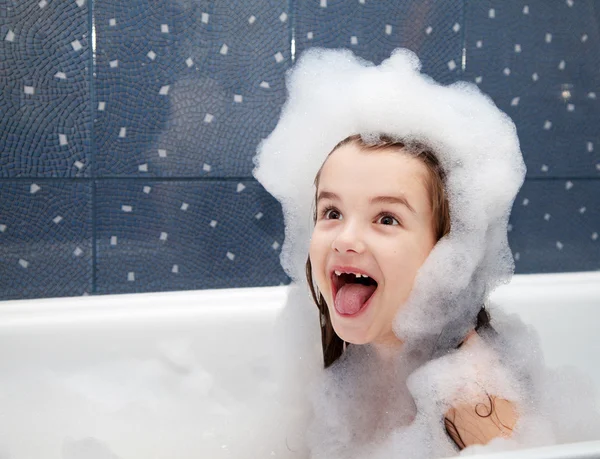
401, 199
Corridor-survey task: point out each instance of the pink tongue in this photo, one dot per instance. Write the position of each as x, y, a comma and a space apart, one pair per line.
351, 297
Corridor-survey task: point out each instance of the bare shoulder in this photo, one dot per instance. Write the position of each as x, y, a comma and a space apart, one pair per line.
481, 421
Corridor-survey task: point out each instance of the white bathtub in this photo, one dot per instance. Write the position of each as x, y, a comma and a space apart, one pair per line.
183, 375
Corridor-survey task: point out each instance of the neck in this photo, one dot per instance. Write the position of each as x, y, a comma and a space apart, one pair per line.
388, 348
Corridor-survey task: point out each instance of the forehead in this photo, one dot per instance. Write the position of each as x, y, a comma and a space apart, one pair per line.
379, 171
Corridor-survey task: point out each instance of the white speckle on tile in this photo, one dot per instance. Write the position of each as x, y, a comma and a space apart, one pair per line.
230, 255
77, 252
164, 28
278, 57
240, 187
162, 153
515, 101
559, 245
479, 43
548, 38
175, 269
189, 62
547, 125
509, 228
237, 98
353, 40
10, 36
206, 167
283, 17
78, 165
582, 210
591, 95
164, 90
590, 147
517, 48
125, 208
57, 219
451, 65
123, 132
309, 35
517, 256
561, 65
113, 240
163, 236
547, 217
112, 22
62, 139
598, 167
525, 202
264, 84
23, 263
323, 3
147, 189
388, 29
428, 30
456, 27
131, 276
492, 13
275, 245
568, 185
61, 75
570, 3
584, 38
101, 106
76, 45
362, 2
2, 228
151, 55
208, 118
506, 71
34, 188
143, 167
224, 49
258, 216
478, 79
42, 4
184, 206
526, 9
544, 168
213, 223
29, 90
570, 107
594, 236
251, 19
535, 77
205, 17
114, 64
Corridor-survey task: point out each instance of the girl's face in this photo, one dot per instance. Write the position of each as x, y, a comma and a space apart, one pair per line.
373, 217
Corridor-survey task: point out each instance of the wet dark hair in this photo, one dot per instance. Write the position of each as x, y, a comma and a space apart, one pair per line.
333, 346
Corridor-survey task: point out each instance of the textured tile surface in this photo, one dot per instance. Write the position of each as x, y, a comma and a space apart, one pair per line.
186, 235
44, 89
45, 238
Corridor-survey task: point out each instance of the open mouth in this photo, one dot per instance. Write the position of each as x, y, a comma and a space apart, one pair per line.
352, 292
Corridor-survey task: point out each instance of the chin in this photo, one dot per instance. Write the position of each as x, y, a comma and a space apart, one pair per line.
352, 336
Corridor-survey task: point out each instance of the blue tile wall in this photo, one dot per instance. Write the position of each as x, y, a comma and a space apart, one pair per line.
127, 129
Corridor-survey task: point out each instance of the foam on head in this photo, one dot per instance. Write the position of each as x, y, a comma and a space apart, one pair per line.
334, 94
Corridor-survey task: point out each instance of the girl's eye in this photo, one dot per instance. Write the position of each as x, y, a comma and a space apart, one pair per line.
388, 220
329, 213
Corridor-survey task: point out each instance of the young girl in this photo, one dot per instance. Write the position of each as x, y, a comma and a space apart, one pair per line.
409, 185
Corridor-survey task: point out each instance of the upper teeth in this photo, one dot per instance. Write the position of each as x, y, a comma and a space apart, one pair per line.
339, 273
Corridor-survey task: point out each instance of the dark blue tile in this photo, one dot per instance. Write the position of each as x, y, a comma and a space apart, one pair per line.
432, 29
556, 226
45, 238
182, 235
187, 88
540, 61
44, 89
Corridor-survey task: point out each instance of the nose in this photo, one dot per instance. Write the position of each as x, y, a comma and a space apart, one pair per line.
348, 239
